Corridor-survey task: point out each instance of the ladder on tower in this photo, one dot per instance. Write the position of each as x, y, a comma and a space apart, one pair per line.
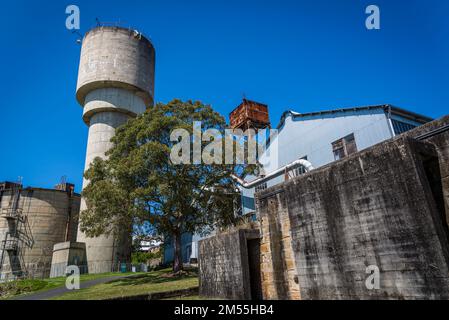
19, 236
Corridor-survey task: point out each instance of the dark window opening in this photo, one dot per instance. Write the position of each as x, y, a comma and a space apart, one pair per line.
344, 147
432, 170
261, 187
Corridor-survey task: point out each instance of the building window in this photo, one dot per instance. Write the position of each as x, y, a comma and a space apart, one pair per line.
344, 147
300, 170
247, 203
401, 127
261, 187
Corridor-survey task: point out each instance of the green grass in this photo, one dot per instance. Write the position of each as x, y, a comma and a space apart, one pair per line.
151, 282
23, 287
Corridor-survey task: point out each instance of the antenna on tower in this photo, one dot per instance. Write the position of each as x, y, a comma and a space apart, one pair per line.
80, 36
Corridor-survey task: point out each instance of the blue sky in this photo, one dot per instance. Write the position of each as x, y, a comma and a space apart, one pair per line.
300, 55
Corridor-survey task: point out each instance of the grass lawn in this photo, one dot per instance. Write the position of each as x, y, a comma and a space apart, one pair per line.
23, 287
155, 281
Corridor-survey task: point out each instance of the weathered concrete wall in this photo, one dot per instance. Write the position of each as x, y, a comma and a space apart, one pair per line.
114, 57
278, 268
373, 208
223, 264
47, 213
67, 254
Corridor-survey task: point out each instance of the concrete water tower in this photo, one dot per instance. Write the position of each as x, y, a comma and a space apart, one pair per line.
115, 83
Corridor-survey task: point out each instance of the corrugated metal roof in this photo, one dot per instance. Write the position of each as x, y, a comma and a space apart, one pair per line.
386, 107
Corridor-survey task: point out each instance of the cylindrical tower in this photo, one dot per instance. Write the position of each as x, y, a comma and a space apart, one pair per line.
115, 82
32, 221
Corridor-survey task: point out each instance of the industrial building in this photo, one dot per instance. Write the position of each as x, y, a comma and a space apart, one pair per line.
349, 188
325, 136
319, 137
32, 221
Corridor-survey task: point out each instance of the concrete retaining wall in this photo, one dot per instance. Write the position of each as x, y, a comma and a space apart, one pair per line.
68, 254
373, 208
279, 280
223, 264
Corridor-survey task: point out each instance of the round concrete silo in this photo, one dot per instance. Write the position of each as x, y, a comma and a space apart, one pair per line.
115, 83
42, 218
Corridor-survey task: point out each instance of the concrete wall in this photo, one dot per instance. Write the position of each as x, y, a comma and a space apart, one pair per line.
279, 275
68, 254
223, 265
47, 212
373, 208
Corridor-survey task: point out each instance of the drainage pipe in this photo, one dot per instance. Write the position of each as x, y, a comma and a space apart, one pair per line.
248, 185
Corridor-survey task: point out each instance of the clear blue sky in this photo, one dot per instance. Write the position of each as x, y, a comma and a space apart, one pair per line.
300, 55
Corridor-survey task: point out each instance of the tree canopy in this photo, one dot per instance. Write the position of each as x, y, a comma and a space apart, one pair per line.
139, 183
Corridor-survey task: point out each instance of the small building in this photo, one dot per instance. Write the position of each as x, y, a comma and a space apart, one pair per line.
150, 245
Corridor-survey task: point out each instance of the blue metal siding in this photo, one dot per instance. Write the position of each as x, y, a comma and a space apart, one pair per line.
407, 122
189, 244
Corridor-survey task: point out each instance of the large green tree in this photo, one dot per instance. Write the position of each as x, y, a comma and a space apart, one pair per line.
138, 182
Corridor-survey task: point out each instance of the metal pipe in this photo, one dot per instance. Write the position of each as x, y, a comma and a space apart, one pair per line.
247, 185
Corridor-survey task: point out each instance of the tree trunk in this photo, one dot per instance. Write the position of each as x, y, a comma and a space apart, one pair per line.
177, 245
